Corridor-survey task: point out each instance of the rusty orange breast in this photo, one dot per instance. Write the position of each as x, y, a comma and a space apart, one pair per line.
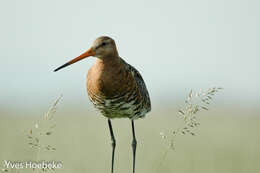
107, 79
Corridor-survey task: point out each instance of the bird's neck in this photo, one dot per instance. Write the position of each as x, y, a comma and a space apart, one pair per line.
108, 62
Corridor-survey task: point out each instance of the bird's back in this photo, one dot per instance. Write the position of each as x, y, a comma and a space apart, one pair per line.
118, 90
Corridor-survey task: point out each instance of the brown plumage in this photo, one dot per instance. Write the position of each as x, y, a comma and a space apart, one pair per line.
115, 87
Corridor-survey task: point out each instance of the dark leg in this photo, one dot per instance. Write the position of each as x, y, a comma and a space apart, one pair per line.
113, 144
133, 145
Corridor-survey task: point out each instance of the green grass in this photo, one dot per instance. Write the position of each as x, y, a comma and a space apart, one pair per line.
224, 143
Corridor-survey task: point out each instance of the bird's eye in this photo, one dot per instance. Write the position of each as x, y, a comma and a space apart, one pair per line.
103, 44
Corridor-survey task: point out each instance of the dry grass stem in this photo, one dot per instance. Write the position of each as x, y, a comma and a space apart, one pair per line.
194, 103
42, 129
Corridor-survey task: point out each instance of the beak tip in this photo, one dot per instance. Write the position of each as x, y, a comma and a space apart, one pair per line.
55, 70
64, 65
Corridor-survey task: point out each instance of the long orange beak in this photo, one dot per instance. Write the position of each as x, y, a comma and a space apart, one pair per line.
90, 52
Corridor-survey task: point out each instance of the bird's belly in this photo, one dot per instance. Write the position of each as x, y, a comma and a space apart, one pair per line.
112, 108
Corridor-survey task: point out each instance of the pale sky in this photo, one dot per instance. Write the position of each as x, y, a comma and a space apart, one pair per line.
176, 45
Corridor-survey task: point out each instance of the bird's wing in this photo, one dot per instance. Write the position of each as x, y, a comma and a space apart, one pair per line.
141, 85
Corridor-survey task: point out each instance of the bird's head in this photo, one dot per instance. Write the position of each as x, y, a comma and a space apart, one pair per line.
103, 47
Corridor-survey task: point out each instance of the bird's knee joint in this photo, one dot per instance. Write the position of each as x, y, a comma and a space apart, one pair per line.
134, 143
113, 143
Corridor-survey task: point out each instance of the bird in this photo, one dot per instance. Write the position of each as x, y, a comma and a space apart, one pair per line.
115, 88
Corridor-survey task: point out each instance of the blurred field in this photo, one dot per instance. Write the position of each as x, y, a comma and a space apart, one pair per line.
226, 142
